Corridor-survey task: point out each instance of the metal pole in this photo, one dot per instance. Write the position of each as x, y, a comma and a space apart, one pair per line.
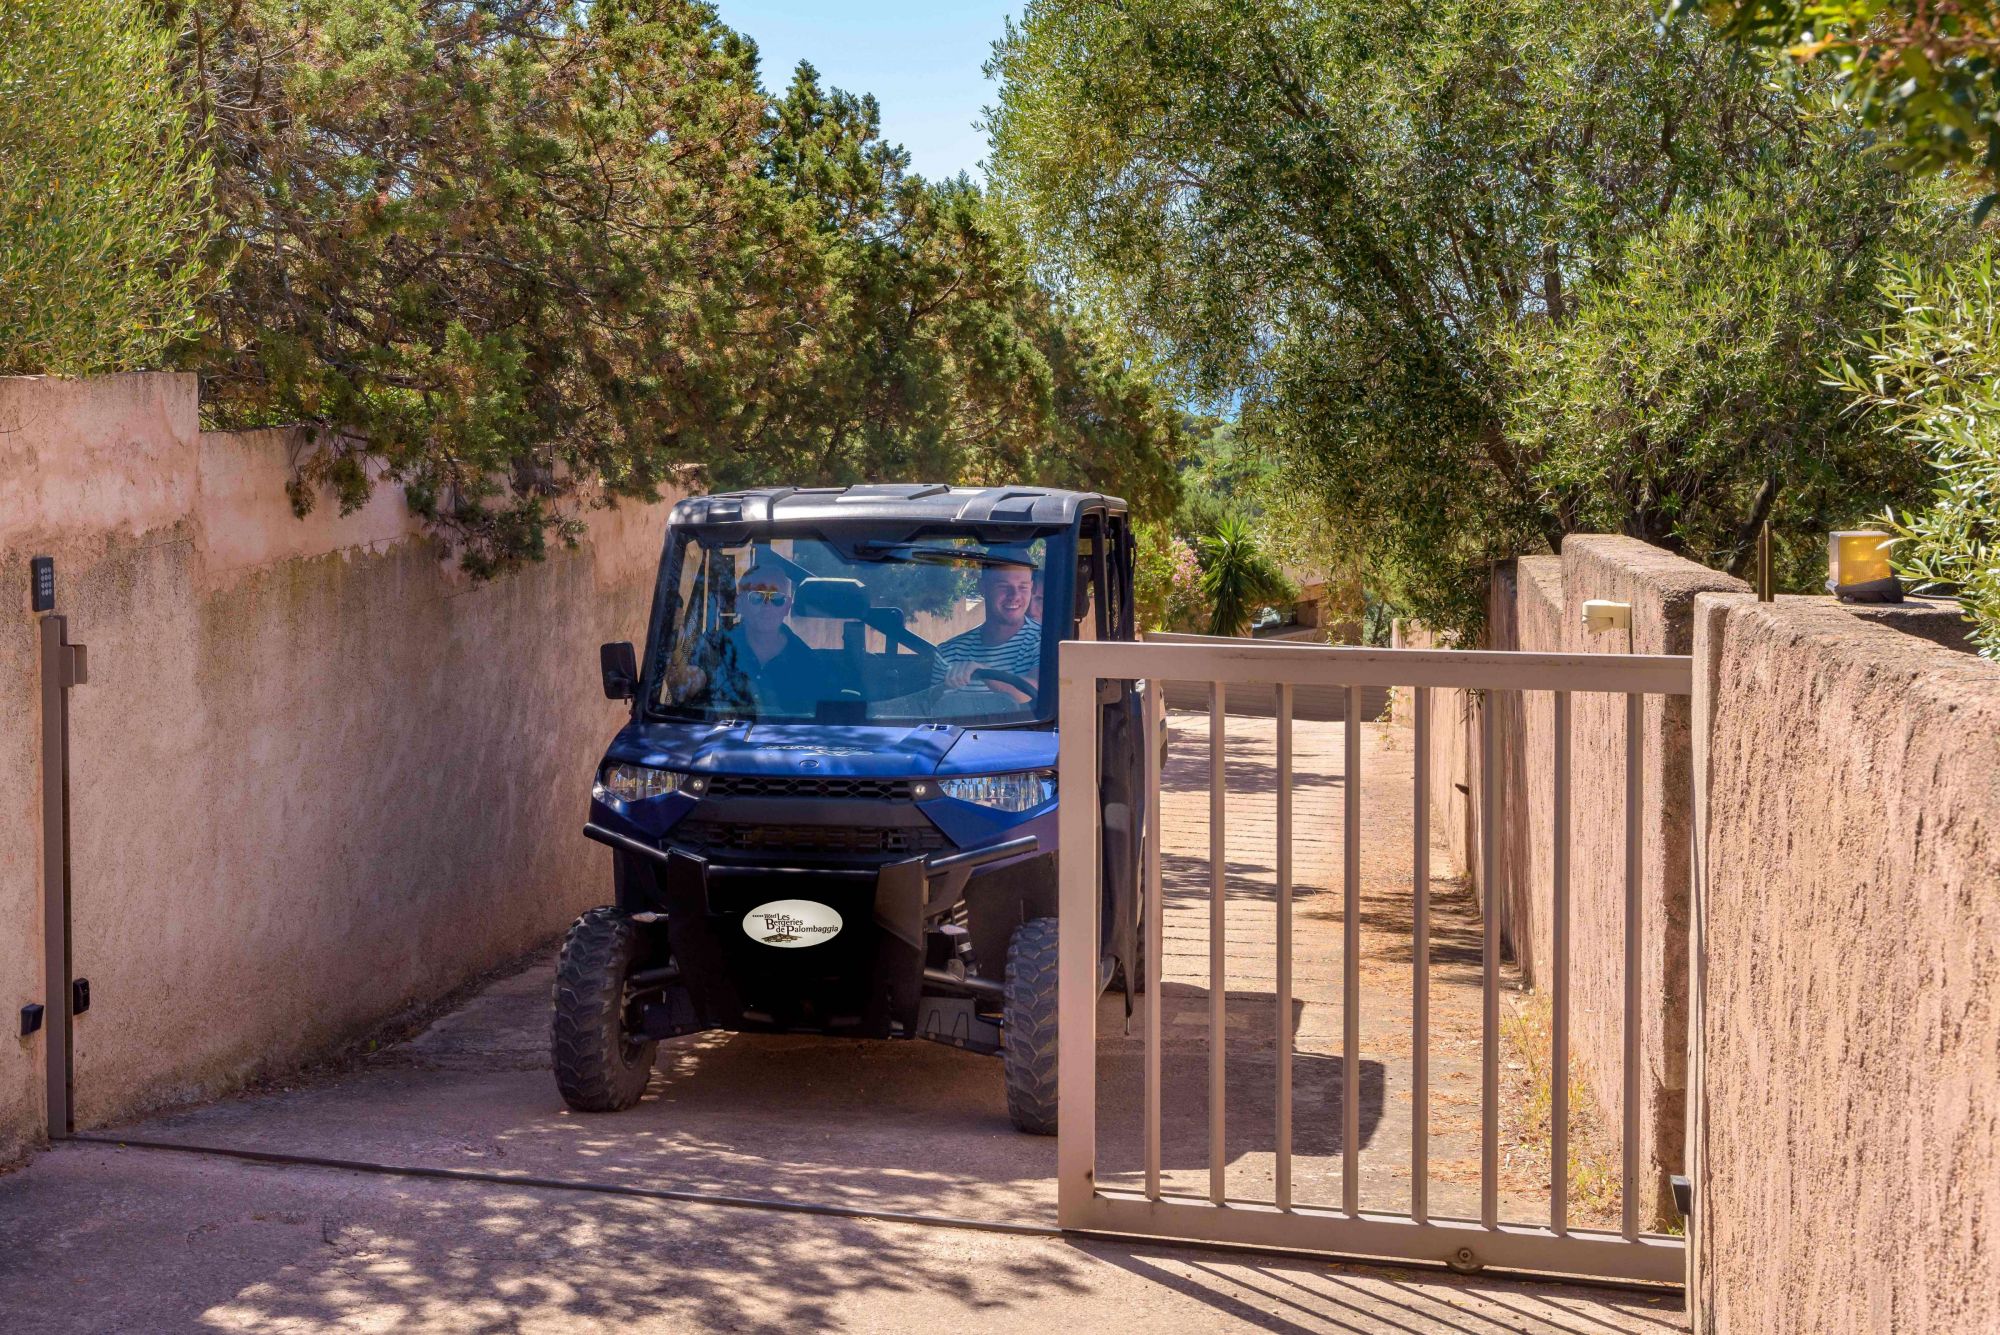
1559, 1057
1155, 735
1765, 584
1420, 972
56, 970
1489, 888
1284, 1035
1218, 1007
1635, 926
1350, 962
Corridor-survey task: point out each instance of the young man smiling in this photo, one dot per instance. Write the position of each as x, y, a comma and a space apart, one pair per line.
1008, 641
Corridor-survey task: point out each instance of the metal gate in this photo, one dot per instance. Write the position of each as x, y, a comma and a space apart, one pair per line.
1342, 1227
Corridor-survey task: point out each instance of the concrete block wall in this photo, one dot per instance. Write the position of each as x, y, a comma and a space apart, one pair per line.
317, 776
1847, 974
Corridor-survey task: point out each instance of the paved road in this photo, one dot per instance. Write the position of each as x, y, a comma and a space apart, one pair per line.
101, 1238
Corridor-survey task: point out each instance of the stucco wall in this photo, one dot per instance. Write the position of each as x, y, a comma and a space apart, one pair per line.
1536, 605
1540, 610
1453, 760
317, 776
1661, 589
1848, 1118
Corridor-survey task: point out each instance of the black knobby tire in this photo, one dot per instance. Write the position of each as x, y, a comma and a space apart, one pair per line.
600, 1066
1139, 958
1028, 1024
1137, 974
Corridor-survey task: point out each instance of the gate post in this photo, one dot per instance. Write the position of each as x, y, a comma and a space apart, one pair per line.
1708, 627
1079, 864
64, 665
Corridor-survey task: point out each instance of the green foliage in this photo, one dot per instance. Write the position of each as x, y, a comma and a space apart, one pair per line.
1166, 579
1225, 465
104, 215
493, 250
1237, 576
1357, 219
1683, 402
526, 256
930, 351
1932, 378
1927, 72
1223, 480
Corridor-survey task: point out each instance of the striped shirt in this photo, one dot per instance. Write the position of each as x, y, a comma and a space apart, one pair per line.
1020, 655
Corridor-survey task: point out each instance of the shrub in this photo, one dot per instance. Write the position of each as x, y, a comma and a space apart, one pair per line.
1933, 377
105, 218
1237, 574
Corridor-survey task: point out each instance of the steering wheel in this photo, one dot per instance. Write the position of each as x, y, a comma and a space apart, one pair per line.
1019, 683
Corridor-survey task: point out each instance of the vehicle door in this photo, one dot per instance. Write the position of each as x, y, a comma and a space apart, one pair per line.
1104, 612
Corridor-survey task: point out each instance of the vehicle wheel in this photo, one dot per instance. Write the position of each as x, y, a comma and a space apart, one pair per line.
1028, 1026
600, 1065
1138, 959
1138, 952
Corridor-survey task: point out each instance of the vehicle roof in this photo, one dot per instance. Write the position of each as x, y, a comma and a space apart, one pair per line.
893, 500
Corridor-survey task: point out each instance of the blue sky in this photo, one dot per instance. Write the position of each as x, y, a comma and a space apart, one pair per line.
920, 60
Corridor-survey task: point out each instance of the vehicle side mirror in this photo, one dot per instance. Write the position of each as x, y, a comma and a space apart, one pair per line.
620, 667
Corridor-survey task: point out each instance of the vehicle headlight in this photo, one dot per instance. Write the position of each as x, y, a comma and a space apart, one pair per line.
635, 783
1003, 792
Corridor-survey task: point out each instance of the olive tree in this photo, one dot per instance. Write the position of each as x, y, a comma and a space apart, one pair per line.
105, 218
1368, 224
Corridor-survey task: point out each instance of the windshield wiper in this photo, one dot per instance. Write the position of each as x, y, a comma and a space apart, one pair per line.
920, 554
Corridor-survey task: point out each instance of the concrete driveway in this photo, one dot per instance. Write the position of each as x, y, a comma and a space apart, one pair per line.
99, 1237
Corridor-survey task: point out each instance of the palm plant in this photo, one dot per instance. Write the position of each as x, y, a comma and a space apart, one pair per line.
1237, 575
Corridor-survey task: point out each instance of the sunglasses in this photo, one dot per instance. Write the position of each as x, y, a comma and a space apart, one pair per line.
771, 596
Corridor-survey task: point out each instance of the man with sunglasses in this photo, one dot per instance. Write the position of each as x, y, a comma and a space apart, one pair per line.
762, 666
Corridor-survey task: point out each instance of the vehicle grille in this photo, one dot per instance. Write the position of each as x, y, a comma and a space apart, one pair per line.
722, 836
786, 785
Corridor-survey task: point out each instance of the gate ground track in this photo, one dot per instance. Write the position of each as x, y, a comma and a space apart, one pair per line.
777, 1205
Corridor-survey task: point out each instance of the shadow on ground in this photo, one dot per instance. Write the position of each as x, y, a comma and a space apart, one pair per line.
101, 1239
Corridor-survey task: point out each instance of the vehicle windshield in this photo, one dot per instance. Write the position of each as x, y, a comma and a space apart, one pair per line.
930, 626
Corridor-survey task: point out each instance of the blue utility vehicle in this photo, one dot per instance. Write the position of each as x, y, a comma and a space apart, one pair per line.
833, 809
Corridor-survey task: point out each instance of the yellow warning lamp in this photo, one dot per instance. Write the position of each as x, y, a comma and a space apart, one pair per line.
1857, 568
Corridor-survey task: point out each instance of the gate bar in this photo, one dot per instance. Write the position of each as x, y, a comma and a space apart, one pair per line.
1635, 783
1217, 963
1236, 663
1350, 960
1517, 1247
1559, 1057
1284, 1036
1420, 971
1155, 735
1489, 1043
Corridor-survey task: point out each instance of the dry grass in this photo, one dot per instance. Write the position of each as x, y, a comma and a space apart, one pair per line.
1595, 1198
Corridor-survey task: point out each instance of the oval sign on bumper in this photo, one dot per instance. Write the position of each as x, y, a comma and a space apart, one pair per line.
791, 923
